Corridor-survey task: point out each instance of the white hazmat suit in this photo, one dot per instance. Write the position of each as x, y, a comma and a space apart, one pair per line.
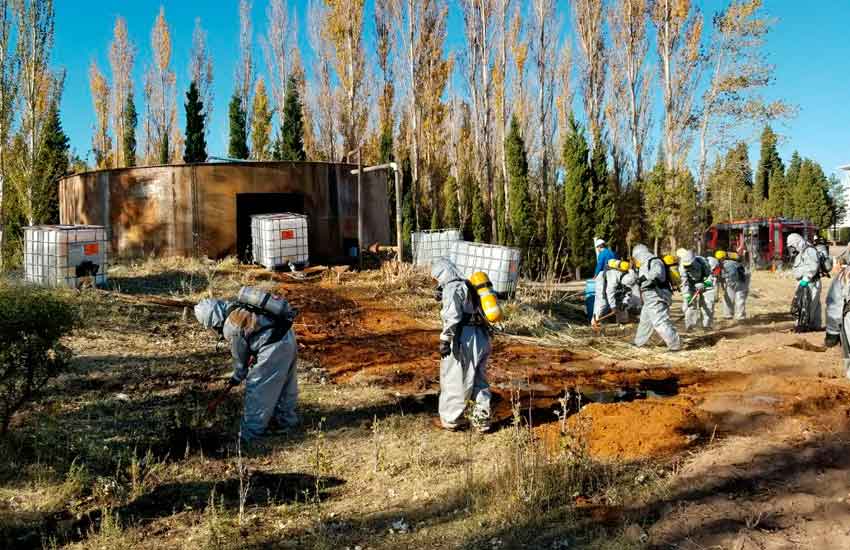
263, 357
838, 315
806, 269
609, 283
736, 289
698, 290
657, 298
463, 372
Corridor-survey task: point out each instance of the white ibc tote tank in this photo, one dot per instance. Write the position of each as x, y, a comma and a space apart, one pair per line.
429, 245
279, 239
66, 255
500, 263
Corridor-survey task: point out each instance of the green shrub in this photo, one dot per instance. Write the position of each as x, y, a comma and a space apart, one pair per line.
32, 320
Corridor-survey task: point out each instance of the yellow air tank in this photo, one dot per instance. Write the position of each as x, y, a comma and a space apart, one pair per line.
732, 256
625, 266
489, 303
614, 264
671, 263
720, 255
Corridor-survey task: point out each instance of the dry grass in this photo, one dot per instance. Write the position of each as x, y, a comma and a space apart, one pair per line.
369, 471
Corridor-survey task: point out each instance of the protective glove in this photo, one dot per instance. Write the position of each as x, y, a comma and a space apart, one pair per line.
445, 348
699, 287
438, 294
804, 282
708, 283
831, 340
687, 298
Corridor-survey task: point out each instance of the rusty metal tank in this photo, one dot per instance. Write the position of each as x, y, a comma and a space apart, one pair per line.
206, 209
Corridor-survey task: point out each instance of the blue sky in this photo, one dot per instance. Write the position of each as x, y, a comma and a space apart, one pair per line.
808, 45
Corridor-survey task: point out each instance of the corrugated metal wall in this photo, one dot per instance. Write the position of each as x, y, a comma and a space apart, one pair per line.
191, 209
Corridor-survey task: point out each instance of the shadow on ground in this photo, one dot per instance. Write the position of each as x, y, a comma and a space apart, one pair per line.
263, 489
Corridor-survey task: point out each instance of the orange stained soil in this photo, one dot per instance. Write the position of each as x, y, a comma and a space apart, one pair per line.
765, 377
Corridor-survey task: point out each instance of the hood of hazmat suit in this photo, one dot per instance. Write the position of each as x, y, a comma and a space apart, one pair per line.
686, 256
211, 313
795, 241
463, 373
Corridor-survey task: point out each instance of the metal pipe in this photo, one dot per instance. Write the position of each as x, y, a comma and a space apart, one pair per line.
398, 226
360, 206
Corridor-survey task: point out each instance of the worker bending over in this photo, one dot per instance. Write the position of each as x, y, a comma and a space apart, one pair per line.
262, 344
616, 293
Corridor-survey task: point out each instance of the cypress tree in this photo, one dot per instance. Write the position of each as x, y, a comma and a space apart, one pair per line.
604, 195
407, 220
196, 143
238, 146
792, 177
406, 204
290, 142
164, 147
769, 162
552, 232
522, 224
52, 164
776, 194
129, 140
578, 197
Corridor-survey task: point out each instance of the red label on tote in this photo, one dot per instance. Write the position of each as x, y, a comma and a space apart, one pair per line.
287, 234
91, 249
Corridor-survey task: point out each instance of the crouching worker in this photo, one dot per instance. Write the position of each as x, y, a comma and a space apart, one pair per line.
258, 327
616, 293
464, 349
656, 288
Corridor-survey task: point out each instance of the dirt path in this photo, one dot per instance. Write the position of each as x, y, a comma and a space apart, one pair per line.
759, 422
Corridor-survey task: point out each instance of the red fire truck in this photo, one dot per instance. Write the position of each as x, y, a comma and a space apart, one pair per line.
762, 239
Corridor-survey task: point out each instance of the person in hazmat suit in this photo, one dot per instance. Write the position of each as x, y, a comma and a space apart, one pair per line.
657, 296
264, 357
838, 315
616, 293
464, 350
736, 285
698, 289
806, 268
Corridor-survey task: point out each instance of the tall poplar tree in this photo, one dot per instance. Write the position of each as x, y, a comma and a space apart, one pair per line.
261, 123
